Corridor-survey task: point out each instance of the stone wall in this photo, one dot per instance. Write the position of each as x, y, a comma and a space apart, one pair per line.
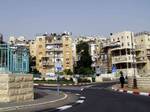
142, 82
16, 87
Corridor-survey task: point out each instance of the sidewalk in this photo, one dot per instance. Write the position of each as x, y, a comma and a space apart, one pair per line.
126, 89
48, 100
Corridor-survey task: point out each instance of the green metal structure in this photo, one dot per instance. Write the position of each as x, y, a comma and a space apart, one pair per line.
14, 59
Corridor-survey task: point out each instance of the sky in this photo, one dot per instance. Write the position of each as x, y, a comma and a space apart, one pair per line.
81, 17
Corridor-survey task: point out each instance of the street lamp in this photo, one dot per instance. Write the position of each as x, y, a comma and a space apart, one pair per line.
133, 64
57, 80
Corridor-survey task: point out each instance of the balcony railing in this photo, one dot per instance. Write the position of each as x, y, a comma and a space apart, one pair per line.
54, 42
119, 59
55, 49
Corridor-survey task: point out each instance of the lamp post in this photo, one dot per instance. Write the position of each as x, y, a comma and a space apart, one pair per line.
57, 80
133, 64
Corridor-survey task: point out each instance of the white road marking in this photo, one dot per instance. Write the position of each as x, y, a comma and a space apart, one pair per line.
82, 89
82, 97
77, 94
64, 107
80, 101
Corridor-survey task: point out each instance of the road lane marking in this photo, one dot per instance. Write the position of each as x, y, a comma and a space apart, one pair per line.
77, 94
82, 97
64, 107
82, 89
80, 101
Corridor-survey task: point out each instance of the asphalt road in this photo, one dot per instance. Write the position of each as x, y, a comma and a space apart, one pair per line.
100, 99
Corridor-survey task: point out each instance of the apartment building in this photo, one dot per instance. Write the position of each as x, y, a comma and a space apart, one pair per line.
53, 52
142, 41
105, 56
123, 56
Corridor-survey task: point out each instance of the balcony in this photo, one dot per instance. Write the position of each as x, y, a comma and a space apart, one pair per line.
141, 60
139, 48
148, 54
45, 64
122, 59
148, 47
54, 42
55, 49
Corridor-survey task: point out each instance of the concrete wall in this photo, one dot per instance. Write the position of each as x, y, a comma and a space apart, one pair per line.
16, 88
142, 82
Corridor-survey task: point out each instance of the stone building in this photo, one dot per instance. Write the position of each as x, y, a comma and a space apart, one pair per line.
123, 57
142, 41
52, 52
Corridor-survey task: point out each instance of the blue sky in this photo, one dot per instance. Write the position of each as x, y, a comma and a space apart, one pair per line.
81, 17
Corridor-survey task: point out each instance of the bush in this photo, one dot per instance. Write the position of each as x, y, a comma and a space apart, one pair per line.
81, 80
93, 79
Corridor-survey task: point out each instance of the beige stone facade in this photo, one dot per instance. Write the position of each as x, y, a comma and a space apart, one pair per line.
53, 49
122, 57
142, 41
142, 82
16, 88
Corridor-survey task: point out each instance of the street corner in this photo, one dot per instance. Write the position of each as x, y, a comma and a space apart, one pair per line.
128, 90
38, 103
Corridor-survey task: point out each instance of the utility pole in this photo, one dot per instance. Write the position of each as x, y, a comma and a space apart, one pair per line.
133, 64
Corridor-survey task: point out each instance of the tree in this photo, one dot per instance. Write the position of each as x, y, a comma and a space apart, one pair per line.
85, 61
68, 72
32, 64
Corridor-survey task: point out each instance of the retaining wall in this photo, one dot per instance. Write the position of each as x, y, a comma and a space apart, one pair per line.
16, 87
142, 82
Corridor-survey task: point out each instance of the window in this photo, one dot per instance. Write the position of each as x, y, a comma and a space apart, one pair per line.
128, 44
127, 37
142, 40
122, 37
113, 39
68, 63
40, 53
40, 39
40, 46
57, 59
118, 39
67, 59
122, 44
66, 45
67, 38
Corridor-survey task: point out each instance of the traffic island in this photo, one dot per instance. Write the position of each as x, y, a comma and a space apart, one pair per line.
16, 87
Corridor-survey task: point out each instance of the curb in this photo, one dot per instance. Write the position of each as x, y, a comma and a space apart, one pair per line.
62, 84
131, 92
30, 105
